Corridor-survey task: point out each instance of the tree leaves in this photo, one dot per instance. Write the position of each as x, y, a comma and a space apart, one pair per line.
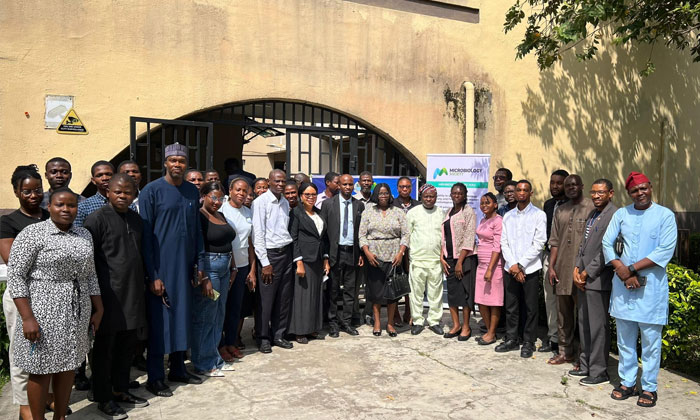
555, 26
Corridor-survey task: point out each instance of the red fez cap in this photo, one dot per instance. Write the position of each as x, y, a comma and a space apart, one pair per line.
635, 178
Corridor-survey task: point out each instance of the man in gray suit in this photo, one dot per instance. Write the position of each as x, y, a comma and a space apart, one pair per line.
594, 281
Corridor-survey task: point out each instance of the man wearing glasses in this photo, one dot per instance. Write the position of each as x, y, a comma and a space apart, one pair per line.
500, 178
172, 246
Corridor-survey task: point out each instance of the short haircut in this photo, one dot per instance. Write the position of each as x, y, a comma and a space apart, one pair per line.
260, 179
366, 173
510, 183
23, 172
127, 162
291, 182
491, 197
305, 185
189, 171
525, 181
406, 178
577, 177
560, 172
56, 160
61, 190
604, 181
237, 179
121, 177
330, 176
509, 174
374, 198
210, 186
98, 164
211, 171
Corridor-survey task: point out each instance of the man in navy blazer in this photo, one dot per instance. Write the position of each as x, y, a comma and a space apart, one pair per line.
342, 216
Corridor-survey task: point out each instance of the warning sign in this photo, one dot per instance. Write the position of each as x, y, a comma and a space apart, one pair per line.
71, 124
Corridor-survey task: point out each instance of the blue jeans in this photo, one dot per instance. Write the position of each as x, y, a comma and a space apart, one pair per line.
208, 315
627, 333
233, 307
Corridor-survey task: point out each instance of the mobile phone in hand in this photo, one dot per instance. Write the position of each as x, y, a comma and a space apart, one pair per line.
642, 280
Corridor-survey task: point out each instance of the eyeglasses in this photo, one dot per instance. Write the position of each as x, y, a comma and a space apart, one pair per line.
215, 198
599, 193
403, 187
383, 194
37, 191
309, 195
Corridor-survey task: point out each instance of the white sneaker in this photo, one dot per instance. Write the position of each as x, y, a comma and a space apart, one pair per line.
228, 367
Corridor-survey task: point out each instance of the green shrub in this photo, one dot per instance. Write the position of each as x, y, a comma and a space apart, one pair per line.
681, 337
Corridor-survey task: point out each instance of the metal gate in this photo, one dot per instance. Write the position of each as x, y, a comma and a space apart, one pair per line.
148, 149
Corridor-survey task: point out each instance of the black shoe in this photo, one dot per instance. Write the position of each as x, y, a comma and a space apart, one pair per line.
187, 379
334, 332
592, 381
527, 350
81, 382
437, 329
417, 329
377, 333
369, 320
391, 333
578, 373
508, 345
464, 337
349, 330
134, 385
281, 342
50, 410
90, 395
451, 335
265, 347
112, 411
398, 324
130, 400
356, 322
159, 389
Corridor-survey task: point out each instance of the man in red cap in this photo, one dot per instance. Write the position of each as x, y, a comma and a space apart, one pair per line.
639, 299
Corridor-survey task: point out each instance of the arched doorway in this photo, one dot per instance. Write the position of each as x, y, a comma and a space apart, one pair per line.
301, 137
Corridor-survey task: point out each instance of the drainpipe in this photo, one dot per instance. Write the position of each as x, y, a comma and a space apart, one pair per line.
469, 102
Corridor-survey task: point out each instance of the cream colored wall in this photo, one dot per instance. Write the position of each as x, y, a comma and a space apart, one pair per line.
391, 69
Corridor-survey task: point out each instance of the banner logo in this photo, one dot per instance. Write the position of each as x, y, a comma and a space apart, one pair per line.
439, 172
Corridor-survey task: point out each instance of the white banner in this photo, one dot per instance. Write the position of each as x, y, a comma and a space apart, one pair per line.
471, 170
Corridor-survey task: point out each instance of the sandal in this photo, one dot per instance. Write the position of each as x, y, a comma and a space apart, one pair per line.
224, 353
649, 396
624, 393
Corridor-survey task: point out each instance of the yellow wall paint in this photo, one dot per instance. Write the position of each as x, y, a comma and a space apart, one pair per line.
167, 59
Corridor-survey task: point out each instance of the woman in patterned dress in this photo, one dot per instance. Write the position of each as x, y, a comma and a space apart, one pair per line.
52, 279
383, 238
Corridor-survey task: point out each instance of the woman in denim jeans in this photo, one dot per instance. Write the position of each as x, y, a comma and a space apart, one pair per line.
209, 306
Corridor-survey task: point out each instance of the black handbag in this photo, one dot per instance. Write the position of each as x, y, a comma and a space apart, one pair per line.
396, 285
619, 245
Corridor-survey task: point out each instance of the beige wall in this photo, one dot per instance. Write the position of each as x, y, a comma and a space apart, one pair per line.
399, 72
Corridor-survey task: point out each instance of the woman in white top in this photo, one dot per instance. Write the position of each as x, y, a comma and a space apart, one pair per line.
240, 218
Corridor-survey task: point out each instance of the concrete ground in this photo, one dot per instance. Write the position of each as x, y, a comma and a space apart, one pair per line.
424, 376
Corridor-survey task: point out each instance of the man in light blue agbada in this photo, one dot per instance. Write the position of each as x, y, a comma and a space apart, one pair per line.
639, 299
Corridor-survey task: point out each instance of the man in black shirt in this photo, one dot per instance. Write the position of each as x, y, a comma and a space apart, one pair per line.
116, 233
556, 189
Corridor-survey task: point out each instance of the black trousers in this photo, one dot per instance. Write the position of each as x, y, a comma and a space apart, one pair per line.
344, 273
273, 309
516, 294
112, 354
594, 330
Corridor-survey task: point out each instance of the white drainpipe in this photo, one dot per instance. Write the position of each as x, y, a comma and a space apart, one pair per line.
469, 102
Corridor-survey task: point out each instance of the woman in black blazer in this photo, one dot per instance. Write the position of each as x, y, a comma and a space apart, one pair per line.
308, 232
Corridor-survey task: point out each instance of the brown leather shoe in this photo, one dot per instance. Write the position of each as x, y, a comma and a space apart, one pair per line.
560, 359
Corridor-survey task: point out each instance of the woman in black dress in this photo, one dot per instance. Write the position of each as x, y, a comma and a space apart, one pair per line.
308, 231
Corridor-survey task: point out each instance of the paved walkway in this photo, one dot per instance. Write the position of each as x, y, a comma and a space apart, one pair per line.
406, 377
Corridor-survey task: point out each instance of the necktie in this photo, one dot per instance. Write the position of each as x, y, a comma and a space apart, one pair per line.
345, 220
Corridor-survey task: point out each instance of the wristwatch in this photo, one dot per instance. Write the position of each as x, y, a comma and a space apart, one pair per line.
632, 270
521, 268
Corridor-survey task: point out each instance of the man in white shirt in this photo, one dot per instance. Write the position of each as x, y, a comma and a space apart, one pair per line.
272, 243
522, 240
332, 187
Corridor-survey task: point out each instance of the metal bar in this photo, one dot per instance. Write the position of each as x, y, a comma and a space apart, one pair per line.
198, 135
289, 147
178, 122
319, 161
148, 150
210, 146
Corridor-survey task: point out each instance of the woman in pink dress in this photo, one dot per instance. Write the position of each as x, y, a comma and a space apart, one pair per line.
489, 273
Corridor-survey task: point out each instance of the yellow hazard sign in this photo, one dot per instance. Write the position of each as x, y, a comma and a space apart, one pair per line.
71, 124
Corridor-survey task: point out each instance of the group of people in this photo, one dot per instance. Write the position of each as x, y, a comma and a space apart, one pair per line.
179, 264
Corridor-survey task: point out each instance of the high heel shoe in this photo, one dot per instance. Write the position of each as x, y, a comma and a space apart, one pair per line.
391, 333
377, 333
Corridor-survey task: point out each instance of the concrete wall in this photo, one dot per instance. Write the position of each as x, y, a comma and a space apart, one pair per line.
400, 72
